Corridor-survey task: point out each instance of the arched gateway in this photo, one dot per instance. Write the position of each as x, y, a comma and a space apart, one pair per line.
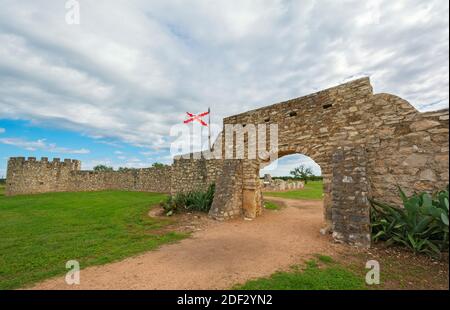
366, 145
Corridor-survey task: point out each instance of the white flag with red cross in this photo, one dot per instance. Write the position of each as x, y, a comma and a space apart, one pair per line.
193, 117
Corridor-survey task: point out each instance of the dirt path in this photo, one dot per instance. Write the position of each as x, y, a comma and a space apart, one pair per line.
220, 255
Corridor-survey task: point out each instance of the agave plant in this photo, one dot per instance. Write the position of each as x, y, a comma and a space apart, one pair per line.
192, 201
199, 200
421, 225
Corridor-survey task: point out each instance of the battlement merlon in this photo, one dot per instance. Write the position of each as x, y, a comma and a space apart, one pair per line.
20, 161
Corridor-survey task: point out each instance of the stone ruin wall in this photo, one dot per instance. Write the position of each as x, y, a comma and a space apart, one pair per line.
403, 146
191, 174
279, 185
366, 145
30, 176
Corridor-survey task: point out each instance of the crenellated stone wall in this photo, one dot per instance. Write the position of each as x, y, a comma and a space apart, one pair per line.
31, 176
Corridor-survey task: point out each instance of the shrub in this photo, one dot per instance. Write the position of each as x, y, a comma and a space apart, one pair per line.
103, 168
421, 225
191, 201
169, 206
158, 165
126, 169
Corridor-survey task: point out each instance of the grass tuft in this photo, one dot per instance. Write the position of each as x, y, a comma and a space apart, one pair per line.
312, 277
312, 191
324, 259
271, 205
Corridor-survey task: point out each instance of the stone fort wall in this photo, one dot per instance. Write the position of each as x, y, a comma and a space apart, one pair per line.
191, 174
31, 176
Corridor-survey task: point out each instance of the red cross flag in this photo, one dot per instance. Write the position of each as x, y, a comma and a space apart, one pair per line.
198, 118
193, 117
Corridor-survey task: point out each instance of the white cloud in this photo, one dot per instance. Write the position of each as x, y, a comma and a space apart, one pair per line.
284, 165
42, 145
90, 164
131, 70
147, 153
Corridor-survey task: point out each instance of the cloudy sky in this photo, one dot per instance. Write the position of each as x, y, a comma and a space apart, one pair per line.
109, 89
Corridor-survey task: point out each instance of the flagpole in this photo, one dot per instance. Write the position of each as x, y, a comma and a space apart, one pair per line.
209, 129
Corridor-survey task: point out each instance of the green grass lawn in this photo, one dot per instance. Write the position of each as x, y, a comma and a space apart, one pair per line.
2, 189
271, 205
40, 233
313, 190
318, 274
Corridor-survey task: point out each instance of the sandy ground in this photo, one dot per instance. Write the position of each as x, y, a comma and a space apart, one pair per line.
219, 255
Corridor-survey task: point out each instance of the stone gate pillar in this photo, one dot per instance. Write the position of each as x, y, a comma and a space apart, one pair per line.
251, 189
227, 201
350, 205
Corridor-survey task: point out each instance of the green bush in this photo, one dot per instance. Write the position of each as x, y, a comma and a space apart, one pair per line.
421, 225
102, 168
169, 206
191, 201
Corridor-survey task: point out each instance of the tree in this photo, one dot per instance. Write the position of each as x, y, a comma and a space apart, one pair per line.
125, 169
103, 168
302, 173
158, 165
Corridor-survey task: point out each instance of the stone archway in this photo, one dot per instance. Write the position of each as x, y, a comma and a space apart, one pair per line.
366, 145
345, 187
253, 210
321, 126
275, 178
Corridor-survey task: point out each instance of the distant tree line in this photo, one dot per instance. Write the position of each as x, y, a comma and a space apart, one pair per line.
122, 169
103, 168
289, 178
